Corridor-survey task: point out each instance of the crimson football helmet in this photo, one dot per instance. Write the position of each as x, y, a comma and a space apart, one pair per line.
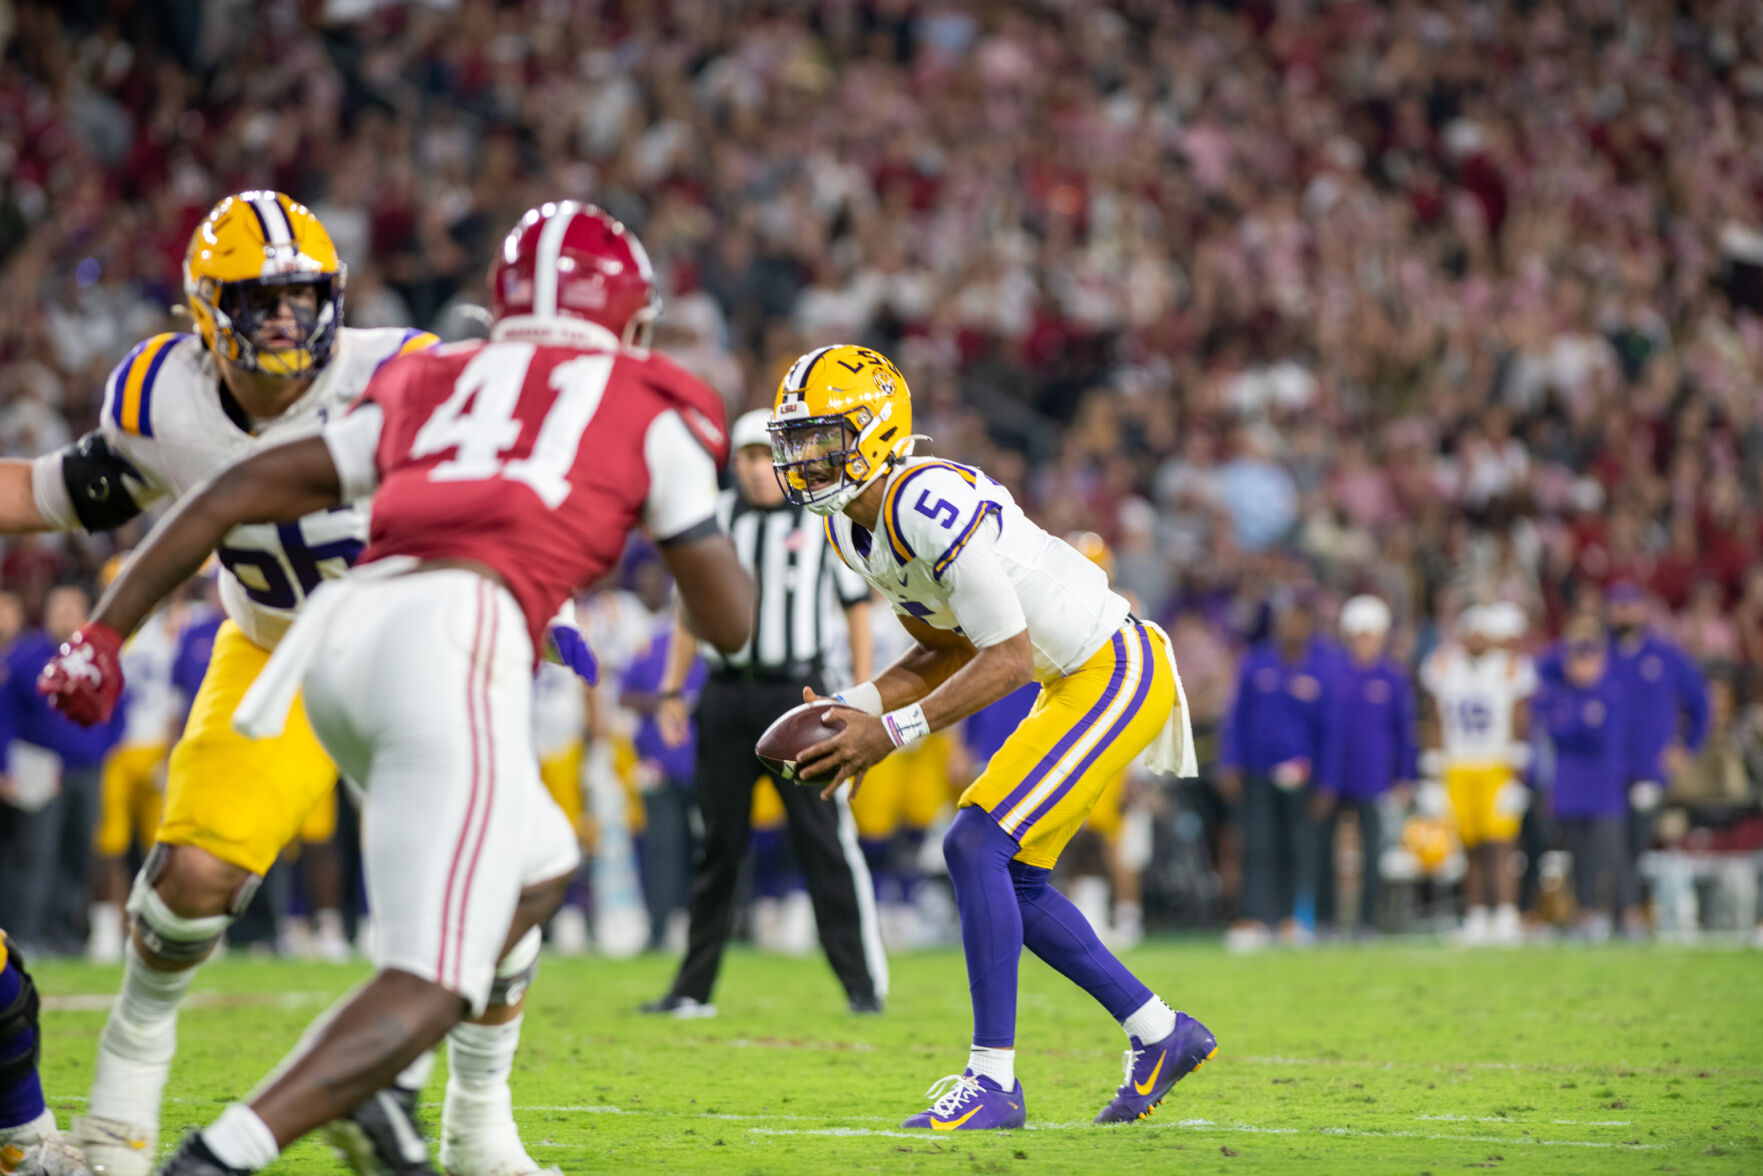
567, 264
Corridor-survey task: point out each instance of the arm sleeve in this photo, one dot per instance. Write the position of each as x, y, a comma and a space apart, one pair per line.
1230, 737
88, 485
1692, 693
1407, 732
354, 442
1330, 771
682, 480
982, 597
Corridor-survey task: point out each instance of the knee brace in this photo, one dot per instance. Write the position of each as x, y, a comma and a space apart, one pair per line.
515, 971
18, 1024
169, 935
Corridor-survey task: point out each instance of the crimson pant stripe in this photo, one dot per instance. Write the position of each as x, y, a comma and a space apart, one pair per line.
489, 753
1052, 758
471, 801
1102, 744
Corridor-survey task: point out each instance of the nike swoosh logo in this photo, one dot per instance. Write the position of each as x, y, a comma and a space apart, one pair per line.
953, 1123
1145, 1086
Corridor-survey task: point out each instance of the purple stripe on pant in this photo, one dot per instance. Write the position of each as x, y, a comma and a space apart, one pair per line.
1146, 674
1052, 758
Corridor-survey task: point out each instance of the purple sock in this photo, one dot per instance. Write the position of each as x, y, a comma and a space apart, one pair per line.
979, 853
1056, 931
881, 875
907, 844
774, 874
21, 1093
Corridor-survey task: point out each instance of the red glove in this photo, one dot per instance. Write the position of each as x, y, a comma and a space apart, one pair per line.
84, 678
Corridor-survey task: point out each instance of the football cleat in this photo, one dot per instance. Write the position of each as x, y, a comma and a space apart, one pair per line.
867, 1005
963, 1102
382, 1137
683, 1007
193, 1158
36, 1148
1153, 1070
115, 1148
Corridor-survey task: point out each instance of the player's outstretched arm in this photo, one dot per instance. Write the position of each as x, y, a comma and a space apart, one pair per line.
278, 485
716, 593
18, 503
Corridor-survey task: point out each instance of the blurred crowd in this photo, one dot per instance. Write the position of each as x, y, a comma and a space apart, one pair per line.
1449, 303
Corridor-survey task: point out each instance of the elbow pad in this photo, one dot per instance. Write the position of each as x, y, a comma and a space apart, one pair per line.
87, 485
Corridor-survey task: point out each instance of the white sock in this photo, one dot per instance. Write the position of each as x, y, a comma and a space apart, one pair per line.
1151, 1021
239, 1139
138, 1041
997, 1064
478, 1114
416, 1074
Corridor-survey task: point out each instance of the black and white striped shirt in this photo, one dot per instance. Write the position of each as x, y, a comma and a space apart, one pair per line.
799, 581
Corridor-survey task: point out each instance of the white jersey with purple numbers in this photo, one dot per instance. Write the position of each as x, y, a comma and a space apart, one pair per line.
1475, 697
932, 510
166, 411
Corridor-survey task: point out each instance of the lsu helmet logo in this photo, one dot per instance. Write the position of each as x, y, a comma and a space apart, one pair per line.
842, 416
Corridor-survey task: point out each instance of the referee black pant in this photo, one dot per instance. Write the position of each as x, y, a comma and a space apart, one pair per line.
732, 714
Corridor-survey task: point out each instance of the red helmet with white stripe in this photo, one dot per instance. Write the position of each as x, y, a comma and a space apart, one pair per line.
566, 264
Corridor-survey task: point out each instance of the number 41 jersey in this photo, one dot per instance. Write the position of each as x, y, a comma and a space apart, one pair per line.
167, 412
536, 461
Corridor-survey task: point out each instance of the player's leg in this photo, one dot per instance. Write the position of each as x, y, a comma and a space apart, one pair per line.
1163, 1045
231, 804
478, 1133
29, 1143
417, 686
723, 783
321, 868
824, 836
1464, 786
127, 773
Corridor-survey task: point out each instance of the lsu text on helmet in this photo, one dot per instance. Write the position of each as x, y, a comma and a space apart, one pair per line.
264, 285
842, 416
571, 273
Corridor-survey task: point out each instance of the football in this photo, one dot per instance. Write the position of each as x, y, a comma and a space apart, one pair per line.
796, 729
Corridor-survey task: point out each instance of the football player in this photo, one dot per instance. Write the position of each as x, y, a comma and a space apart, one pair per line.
505, 476
269, 361
991, 601
1476, 725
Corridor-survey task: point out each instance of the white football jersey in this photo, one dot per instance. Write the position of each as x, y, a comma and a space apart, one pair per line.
166, 411
930, 510
147, 659
1475, 698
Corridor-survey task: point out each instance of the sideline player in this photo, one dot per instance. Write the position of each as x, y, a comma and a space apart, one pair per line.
269, 361
505, 476
1477, 723
991, 600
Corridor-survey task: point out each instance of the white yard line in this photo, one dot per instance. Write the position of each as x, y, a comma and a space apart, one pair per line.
1203, 1125
95, 1002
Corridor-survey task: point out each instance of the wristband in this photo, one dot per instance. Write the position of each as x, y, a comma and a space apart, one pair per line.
907, 725
864, 697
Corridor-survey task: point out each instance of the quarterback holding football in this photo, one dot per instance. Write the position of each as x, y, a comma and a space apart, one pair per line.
991, 601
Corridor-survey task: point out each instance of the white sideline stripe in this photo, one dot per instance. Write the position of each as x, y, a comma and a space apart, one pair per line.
97, 1002
1241, 1128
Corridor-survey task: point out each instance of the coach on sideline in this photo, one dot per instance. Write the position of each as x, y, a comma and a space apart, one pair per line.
798, 576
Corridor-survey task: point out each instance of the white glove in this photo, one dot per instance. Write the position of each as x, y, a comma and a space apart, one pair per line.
1512, 800
1645, 795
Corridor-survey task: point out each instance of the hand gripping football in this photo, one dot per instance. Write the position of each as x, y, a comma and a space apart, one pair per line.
796, 730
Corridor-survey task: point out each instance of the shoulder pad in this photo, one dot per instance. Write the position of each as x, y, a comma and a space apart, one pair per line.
932, 510
700, 407
128, 393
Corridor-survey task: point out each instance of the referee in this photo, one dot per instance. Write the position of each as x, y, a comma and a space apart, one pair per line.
799, 578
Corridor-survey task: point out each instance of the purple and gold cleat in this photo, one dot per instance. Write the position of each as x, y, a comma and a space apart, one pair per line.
1152, 1070
962, 1102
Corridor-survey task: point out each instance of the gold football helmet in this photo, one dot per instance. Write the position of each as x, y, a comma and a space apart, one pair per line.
842, 416
253, 255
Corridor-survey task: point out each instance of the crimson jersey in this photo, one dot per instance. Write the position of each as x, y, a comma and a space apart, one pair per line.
536, 461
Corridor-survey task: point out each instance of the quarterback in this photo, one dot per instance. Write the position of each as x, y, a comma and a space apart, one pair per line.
991, 601
269, 361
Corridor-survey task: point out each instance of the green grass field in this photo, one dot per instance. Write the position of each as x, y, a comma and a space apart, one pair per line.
1382, 1059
